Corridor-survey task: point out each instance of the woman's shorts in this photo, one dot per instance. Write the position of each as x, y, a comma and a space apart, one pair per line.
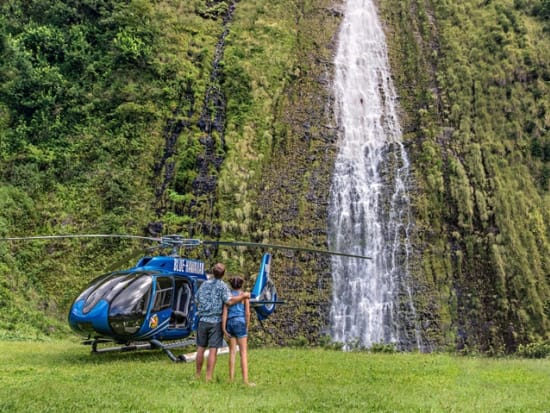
236, 328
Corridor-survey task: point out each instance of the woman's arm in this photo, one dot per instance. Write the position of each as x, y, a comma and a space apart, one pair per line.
224, 320
247, 312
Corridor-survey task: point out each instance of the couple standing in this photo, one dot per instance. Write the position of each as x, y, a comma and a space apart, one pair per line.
217, 318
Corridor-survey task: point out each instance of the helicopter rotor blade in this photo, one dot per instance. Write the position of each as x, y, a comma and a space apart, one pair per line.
113, 267
39, 237
176, 241
282, 247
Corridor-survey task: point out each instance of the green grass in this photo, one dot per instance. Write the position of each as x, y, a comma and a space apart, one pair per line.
62, 376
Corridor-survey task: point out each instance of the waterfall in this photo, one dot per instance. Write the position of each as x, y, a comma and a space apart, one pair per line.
369, 212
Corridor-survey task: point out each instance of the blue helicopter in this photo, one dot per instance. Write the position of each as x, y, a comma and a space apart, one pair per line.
151, 305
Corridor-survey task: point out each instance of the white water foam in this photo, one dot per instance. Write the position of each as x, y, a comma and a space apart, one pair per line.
369, 208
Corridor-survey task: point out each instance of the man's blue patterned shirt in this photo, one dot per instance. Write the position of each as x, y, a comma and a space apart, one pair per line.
211, 297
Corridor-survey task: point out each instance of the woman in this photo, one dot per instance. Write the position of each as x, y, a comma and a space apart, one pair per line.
235, 323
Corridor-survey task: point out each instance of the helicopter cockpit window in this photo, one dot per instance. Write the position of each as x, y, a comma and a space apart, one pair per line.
129, 307
134, 299
163, 295
93, 285
102, 288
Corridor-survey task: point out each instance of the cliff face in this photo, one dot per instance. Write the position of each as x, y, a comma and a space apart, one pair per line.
215, 119
473, 80
474, 112
284, 196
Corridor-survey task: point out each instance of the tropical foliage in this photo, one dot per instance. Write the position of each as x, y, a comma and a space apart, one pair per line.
474, 84
213, 118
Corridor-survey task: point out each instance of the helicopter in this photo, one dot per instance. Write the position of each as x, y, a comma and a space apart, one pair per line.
152, 304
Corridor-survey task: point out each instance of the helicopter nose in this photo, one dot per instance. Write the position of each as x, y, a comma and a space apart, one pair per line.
95, 320
126, 325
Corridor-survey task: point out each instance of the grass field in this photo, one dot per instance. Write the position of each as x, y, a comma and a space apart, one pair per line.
62, 376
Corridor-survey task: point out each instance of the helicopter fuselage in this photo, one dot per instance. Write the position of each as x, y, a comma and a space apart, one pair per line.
152, 301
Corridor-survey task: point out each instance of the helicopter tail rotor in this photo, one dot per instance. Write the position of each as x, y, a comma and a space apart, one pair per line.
263, 297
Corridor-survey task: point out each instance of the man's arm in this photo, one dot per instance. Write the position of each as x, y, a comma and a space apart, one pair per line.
234, 299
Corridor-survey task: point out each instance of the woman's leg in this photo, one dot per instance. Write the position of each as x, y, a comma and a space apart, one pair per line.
243, 349
232, 356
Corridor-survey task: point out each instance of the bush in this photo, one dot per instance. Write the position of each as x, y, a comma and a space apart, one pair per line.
534, 350
383, 348
299, 341
326, 342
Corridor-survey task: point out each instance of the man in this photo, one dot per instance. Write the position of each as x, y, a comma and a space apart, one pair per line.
211, 297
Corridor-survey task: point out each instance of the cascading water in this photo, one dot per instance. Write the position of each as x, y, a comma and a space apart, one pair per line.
369, 207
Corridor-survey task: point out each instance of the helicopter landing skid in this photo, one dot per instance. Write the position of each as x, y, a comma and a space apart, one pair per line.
191, 357
150, 345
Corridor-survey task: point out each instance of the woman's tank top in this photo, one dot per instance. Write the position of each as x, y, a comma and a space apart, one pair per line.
236, 310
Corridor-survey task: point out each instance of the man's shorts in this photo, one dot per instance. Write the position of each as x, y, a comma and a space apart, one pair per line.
236, 328
209, 335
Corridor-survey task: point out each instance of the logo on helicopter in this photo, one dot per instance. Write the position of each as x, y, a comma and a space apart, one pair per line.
184, 265
154, 321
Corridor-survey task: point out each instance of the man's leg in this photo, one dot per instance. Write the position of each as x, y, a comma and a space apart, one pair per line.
211, 363
202, 343
199, 361
215, 341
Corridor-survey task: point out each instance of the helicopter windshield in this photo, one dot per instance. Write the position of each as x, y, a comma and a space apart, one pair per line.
92, 286
128, 308
103, 287
134, 299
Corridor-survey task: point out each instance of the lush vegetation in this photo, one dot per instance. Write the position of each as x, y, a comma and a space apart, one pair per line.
64, 377
213, 118
473, 78
89, 92
180, 120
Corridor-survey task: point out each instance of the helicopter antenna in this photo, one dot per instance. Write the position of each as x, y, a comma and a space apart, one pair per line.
283, 247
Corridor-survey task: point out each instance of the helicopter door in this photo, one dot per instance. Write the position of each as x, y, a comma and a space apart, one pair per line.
182, 303
163, 294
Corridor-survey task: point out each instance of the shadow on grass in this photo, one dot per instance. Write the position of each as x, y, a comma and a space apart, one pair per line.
82, 354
